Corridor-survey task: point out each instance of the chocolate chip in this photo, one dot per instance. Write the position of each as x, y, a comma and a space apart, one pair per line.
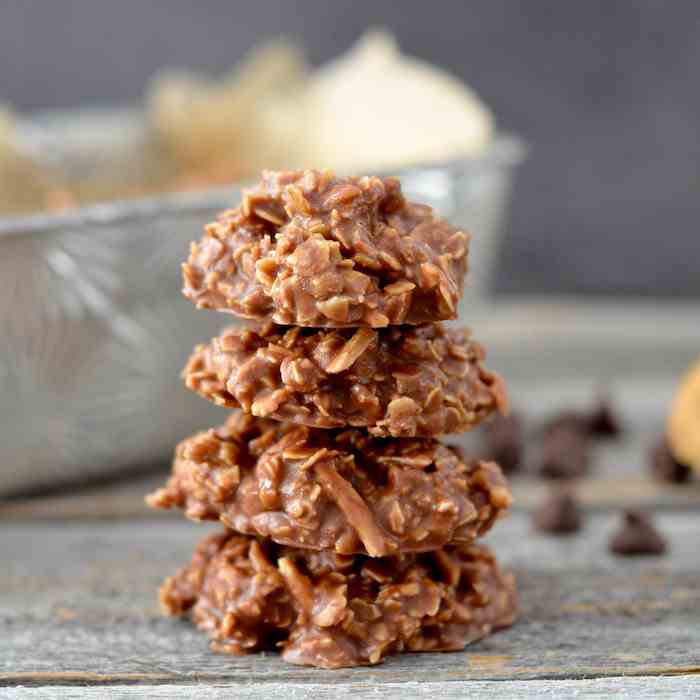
558, 514
602, 422
567, 420
663, 464
564, 454
637, 536
503, 442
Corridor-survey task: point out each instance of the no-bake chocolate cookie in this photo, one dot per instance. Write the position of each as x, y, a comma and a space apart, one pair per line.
328, 489
328, 610
401, 381
308, 248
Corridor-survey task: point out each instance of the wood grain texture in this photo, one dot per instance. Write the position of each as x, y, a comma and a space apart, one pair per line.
82, 610
656, 688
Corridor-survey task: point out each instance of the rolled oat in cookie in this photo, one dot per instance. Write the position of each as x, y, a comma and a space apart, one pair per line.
328, 610
401, 381
309, 248
330, 489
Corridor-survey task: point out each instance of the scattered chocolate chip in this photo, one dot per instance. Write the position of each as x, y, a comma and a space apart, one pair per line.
637, 536
564, 454
558, 514
569, 421
663, 464
503, 442
602, 422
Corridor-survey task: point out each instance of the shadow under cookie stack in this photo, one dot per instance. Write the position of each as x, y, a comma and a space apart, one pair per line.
349, 528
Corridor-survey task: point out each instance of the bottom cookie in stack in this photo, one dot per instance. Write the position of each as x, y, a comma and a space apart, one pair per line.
330, 610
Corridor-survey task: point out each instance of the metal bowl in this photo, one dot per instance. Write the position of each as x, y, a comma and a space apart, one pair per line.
94, 330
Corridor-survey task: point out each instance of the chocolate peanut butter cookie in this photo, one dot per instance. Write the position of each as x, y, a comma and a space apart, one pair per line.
401, 381
328, 489
328, 610
308, 248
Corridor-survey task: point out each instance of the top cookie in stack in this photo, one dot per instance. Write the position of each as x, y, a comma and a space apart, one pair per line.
307, 248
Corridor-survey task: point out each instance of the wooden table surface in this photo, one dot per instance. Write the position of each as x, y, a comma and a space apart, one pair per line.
79, 614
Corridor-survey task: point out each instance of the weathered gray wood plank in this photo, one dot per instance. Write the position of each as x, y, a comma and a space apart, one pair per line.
656, 688
78, 605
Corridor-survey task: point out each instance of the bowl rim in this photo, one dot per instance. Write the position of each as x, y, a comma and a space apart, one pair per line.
506, 151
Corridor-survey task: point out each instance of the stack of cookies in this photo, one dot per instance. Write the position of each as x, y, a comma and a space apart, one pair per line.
349, 528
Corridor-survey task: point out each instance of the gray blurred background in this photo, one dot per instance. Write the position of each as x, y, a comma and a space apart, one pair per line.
607, 94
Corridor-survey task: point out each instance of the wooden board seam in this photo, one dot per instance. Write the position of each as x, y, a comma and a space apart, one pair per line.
29, 678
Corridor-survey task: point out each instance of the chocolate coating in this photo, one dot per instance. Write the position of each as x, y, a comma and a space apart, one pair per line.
401, 381
337, 490
324, 609
308, 248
